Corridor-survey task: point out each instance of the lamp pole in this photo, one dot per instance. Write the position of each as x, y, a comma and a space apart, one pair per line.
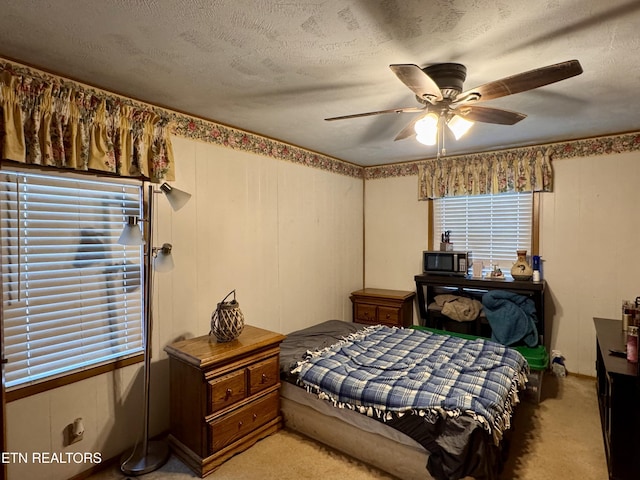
149, 455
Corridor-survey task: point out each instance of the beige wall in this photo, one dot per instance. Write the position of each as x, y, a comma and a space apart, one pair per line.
590, 232
395, 233
288, 238
590, 235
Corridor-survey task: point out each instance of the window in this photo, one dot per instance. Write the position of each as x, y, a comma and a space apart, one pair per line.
492, 227
72, 297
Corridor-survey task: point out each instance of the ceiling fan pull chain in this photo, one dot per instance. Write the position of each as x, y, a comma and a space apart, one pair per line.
441, 132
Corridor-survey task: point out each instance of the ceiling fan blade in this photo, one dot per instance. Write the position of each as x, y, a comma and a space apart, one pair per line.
408, 130
489, 115
419, 82
524, 81
379, 112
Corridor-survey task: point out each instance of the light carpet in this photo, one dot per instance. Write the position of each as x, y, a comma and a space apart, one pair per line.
558, 438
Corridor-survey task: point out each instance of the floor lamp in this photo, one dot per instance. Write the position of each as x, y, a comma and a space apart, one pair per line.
149, 455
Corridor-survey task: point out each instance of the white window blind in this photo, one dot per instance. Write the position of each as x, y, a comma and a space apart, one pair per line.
492, 227
72, 297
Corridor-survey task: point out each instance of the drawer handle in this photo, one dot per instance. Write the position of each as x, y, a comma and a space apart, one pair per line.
388, 316
264, 378
228, 394
240, 424
255, 415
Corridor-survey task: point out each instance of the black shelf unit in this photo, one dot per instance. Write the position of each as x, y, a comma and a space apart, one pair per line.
619, 402
429, 285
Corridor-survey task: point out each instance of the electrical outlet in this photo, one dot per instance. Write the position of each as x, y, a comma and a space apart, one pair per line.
75, 431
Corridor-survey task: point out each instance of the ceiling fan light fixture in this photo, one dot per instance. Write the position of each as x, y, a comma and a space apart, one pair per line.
426, 140
427, 129
459, 126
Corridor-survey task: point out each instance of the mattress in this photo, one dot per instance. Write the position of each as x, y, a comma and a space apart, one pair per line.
455, 449
351, 417
353, 434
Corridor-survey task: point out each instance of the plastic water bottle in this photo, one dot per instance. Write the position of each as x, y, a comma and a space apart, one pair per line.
632, 344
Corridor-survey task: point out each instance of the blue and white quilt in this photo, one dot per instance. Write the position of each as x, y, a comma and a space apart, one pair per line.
384, 371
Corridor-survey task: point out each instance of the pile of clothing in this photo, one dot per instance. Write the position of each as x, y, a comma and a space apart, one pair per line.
462, 309
512, 316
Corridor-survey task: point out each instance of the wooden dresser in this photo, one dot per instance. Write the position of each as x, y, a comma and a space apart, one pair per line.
388, 307
224, 396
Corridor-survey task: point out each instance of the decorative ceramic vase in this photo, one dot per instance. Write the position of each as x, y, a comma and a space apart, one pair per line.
227, 320
521, 270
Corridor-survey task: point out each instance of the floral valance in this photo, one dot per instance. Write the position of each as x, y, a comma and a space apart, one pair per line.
52, 122
522, 170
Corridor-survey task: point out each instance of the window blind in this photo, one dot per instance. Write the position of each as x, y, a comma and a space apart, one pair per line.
492, 227
72, 297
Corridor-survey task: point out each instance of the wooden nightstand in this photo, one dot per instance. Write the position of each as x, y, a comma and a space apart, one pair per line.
388, 307
224, 396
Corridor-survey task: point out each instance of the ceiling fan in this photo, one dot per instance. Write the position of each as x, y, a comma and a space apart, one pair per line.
438, 88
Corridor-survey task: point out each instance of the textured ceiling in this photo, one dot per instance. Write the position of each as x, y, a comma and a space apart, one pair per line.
278, 68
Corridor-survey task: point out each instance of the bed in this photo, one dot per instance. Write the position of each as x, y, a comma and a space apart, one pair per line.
418, 443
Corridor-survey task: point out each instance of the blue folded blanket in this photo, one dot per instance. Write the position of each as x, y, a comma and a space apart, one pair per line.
512, 317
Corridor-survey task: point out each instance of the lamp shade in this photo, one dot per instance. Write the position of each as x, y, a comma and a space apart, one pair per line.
459, 126
163, 261
177, 198
131, 234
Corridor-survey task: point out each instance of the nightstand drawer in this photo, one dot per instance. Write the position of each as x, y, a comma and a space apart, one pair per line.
227, 390
366, 313
388, 315
237, 424
263, 375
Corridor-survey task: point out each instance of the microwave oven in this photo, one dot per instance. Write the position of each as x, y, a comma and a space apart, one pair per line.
446, 263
